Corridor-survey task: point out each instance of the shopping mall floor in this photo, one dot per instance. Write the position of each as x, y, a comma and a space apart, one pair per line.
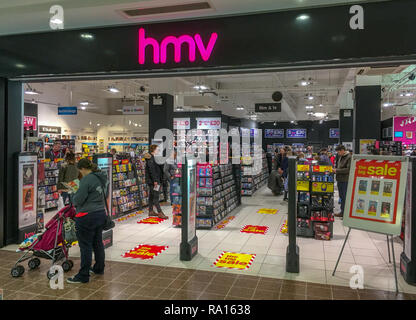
166, 277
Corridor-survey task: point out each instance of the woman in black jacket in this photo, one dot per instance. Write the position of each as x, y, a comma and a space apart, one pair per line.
154, 181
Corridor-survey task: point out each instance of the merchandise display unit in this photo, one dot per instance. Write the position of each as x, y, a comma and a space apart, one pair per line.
141, 181
49, 185
217, 194
251, 183
315, 201
126, 196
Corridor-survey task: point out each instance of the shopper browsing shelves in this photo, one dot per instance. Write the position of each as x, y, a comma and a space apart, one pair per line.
67, 173
342, 171
154, 181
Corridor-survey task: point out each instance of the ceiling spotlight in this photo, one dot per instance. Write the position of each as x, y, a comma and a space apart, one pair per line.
319, 114
84, 103
321, 105
304, 82
179, 108
409, 94
302, 17
113, 90
292, 121
275, 123
310, 97
135, 124
239, 108
87, 36
83, 108
140, 125
309, 113
388, 104
98, 124
200, 87
309, 107
321, 121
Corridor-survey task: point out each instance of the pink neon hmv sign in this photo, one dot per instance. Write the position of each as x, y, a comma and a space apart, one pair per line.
160, 50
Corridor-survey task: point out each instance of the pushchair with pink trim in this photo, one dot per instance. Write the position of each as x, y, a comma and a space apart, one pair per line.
50, 245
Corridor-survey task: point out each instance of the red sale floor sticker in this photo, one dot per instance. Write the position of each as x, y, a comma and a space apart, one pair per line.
254, 229
223, 223
151, 220
233, 260
131, 215
144, 251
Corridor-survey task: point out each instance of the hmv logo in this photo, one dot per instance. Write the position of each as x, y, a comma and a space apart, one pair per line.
160, 50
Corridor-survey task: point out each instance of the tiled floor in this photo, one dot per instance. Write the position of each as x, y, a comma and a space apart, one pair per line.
317, 258
126, 281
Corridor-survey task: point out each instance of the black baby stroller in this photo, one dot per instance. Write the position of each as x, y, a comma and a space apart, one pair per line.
52, 244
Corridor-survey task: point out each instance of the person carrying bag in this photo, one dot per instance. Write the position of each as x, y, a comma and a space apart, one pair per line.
90, 220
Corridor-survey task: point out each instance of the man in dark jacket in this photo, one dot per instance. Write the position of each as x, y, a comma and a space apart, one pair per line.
154, 181
342, 171
275, 182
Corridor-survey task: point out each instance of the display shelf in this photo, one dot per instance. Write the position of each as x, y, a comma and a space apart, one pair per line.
251, 183
315, 201
126, 196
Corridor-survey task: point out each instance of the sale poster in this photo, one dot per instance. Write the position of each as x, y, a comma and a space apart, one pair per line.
375, 190
254, 229
144, 251
151, 220
232, 260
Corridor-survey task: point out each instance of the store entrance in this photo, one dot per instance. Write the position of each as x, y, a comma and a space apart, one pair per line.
241, 215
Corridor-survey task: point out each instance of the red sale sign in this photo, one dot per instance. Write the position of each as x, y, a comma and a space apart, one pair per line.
254, 229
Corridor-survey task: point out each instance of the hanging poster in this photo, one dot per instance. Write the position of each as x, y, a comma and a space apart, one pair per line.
208, 123
181, 123
375, 195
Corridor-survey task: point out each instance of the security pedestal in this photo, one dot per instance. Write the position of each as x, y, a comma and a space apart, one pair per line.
408, 256
189, 243
292, 252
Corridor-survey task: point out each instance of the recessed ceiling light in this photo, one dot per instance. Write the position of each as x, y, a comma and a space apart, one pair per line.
83, 108
135, 124
84, 103
321, 105
319, 114
140, 125
387, 104
310, 97
113, 90
98, 124
302, 17
87, 36
309, 107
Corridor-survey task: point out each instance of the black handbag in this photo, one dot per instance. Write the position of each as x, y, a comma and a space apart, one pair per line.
109, 223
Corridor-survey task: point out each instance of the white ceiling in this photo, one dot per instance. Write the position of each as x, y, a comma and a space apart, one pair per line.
22, 16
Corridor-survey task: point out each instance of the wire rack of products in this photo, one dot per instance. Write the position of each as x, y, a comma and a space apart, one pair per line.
315, 201
126, 196
48, 187
217, 194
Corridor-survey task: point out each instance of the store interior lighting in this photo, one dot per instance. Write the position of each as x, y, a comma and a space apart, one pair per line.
31, 91
319, 114
113, 90
309, 107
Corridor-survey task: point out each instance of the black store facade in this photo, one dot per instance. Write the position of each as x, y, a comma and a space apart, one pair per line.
290, 40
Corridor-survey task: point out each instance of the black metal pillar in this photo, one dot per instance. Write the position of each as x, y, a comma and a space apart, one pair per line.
11, 141
367, 114
292, 253
160, 113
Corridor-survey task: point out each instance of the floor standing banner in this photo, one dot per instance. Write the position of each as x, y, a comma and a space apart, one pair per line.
376, 193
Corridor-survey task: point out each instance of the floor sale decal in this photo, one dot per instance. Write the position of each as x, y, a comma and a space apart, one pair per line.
283, 228
267, 211
254, 229
223, 223
232, 260
144, 251
151, 220
131, 215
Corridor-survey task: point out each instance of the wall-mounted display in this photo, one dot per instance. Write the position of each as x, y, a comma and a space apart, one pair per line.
274, 133
334, 133
296, 133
